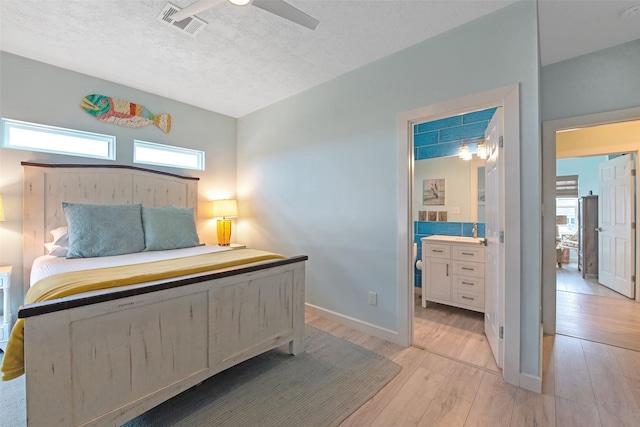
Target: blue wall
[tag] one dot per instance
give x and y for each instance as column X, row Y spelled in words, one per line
column 442, row 138
column 587, row 170
column 320, row 170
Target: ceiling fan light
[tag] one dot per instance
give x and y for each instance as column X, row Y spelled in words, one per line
column 240, row 2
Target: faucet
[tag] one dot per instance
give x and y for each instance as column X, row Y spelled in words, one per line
column 474, row 230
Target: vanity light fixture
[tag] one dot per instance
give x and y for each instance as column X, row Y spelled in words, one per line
column 224, row 209
column 464, row 153
column 1, row 209
column 482, row 149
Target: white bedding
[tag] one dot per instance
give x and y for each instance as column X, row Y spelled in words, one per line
column 47, row 265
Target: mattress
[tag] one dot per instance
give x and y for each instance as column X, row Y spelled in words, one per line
column 46, row 265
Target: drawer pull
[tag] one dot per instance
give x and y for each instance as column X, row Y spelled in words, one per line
column 467, row 253
column 437, row 250
column 468, row 283
column 468, row 268
column 469, row 298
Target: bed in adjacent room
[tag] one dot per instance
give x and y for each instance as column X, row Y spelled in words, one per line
column 108, row 331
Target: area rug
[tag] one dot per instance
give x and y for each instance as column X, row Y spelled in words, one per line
column 320, row 387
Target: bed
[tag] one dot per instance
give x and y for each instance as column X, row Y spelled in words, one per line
column 104, row 356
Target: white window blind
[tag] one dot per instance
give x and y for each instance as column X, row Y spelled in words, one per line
column 567, row 186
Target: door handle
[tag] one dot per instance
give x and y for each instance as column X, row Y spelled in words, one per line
column 447, row 270
column 599, row 229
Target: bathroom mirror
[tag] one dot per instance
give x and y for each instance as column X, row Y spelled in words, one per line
column 460, row 192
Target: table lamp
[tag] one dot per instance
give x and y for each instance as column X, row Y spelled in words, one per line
column 224, row 209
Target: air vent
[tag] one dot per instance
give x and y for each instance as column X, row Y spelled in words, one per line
column 191, row 25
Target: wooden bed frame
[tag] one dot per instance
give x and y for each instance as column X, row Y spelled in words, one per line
column 104, row 359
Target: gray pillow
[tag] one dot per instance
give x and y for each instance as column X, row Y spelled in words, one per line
column 169, row 227
column 103, row 230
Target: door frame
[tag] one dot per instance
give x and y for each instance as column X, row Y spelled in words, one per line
column 509, row 98
column 549, row 129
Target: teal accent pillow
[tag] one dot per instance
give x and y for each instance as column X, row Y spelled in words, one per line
column 103, row 230
column 169, row 227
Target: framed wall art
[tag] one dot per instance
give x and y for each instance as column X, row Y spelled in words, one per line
column 433, row 192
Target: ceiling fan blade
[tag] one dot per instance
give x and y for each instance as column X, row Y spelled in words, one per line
column 286, row 11
column 194, row 9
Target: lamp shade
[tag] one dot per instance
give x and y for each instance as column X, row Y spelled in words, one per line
column 1, row 209
column 225, row 208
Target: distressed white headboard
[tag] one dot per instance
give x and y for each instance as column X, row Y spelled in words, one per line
column 46, row 186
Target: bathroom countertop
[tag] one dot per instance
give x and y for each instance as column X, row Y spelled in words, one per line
column 455, row 239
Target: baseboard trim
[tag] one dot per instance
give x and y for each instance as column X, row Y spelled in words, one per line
column 368, row 328
column 531, row 383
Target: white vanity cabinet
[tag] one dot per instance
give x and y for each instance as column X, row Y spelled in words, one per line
column 453, row 271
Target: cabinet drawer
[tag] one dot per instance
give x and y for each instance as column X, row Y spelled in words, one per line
column 468, row 298
column 435, row 250
column 468, row 283
column 466, row 253
column 464, row 268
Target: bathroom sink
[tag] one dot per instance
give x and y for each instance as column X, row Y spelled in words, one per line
column 459, row 239
column 469, row 239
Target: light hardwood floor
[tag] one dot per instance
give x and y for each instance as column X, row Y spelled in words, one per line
column 584, row 384
column 452, row 332
column 585, row 309
column 569, row 279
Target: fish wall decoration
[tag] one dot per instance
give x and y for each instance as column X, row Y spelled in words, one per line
column 123, row 113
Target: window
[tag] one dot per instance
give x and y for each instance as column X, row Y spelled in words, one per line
column 50, row 139
column 567, row 215
column 167, row 155
column 566, row 204
column 567, row 186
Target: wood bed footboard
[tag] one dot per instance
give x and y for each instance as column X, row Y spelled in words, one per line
column 104, row 359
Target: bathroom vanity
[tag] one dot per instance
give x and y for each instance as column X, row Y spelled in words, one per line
column 453, row 271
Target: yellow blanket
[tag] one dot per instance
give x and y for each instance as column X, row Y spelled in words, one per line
column 66, row 284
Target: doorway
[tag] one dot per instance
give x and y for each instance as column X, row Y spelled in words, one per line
column 508, row 97
column 450, row 155
column 551, row 302
column 585, row 307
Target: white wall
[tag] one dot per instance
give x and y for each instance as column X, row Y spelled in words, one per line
column 35, row 92
column 317, row 172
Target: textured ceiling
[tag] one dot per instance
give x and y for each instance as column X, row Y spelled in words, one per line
column 246, row 58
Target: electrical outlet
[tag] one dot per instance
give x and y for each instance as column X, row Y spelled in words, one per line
column 373, row 298
column 455, row 210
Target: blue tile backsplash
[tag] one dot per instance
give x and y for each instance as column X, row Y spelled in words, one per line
column 443, row 137
column 428, row 228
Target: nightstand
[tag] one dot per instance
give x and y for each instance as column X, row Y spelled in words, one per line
column 237, row 246
column 5, row 318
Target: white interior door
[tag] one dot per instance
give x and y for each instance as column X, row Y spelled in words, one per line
column 494, row 224
column 616, row 213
